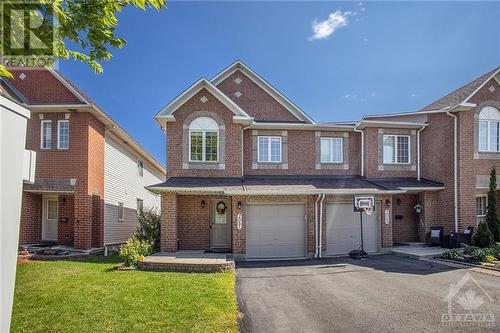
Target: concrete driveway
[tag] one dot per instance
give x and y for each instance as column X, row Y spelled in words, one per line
column 382, row 293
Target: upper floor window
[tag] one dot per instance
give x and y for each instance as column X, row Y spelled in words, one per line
column 481, row 207
column 46, row 134
column 396, row 149
column 489, row 125
column 203, row 140
column 331, row 150
column 269, row 149
column 63, row 134
column 140, row 168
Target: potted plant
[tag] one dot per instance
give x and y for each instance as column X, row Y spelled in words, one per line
column 418, row 208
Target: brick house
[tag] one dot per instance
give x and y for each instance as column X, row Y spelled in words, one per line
column 90, row 174
column 252, row 174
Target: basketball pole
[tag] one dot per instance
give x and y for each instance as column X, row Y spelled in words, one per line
column 361, row 222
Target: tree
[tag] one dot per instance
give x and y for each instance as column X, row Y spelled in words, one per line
column 492, row 214
column 88, row 24
column 483, row 236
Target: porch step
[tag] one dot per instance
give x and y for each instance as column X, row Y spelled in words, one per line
column 187, row 262
column 410, row 244
column 417, row 252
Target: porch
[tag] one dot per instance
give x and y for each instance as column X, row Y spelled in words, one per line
column 188, row 261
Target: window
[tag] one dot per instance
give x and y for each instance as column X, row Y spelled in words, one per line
column 481, row 206
column 120, row 211
column 52, row 209
column 203, row 140
column 46, row 134
column 332, row 150
column 63, row 134
column 140, row 205
column 269, row 149
column 140, row 168
column 396, row 149
column 489, row 129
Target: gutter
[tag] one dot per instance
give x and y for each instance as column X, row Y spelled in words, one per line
column 320, row 236
column 418, row 150
column 316, row 225
column 362, row 148
column 455, row 169
column 242, row 163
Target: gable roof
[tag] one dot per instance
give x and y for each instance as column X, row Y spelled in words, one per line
column 463, row 94
column 166, row 114
column 56, row 92
column 266, row 86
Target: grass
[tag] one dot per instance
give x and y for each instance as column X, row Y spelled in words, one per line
column 89, row 296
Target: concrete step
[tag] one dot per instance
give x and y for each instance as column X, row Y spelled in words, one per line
column 418, row 252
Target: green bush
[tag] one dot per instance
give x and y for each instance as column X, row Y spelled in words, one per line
column 478, row 254
column 452, row 254
column 483, row 236
column 492, row 219
column 134, row 251
column 149, row 228
column 493, row 251
column 470, row 249
column 489, row 258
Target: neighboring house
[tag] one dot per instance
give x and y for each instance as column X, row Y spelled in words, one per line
column 90, row 174
column 252, row 174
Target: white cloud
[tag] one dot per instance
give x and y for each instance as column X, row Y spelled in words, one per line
column 349, row 96
column 365, row 39
column 413, row 95
column 372, row 94
column 336, row 20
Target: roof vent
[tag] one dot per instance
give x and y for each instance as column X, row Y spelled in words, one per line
column 491, row 89
column 203, row 99
column 22, row 76
column 237, row 80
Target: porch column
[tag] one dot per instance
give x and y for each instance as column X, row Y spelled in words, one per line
column 239, row 234
column 386, row 224
column 429, row 215
column 83, row 222
column 168, row 228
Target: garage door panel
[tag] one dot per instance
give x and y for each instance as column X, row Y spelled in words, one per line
column 343, row 230
column 275, row 230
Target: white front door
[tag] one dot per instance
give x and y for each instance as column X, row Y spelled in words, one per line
column 50, row 218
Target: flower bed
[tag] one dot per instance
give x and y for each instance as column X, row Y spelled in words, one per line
column 488, row 257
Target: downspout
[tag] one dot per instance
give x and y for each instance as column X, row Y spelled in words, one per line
column 455, row 168
column 362, row 148
column 242, row 165
column 320, row 224
column 418, row 151
column 316, row 226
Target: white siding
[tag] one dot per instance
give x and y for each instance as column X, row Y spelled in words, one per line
column 122, row 183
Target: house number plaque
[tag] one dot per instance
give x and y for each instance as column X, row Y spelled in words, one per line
column 238, row 221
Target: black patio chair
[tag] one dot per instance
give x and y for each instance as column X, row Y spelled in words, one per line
column 435, row 236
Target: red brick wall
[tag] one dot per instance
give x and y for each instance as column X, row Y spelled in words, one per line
column 169, row 229
column 405, row 229
column 193, row 222
column 175, row 138
column 254, row 100
column 65, row 230
column 31, row 219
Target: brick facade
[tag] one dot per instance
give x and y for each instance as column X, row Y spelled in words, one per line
column 31, row 216
column 405, row 222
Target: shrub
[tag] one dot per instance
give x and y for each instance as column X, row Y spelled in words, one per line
column 452, row 254
column 489, row 258
column 491, row 214
column 478, row 254
column 134, row 251
column 149, row 228
column 470, row 249
column 493, row 251
column 483, row 236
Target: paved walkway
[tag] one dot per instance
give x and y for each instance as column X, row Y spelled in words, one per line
column 418, row 252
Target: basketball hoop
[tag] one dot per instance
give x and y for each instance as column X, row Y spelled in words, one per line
column 368, row 210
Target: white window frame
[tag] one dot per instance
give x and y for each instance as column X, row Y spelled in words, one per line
column 58, row 134
column 482, row 216
column 121, row 211
column 204, row 146
column 269, row 138
column 142, row 205
column 331, row 160
column 488, row 141
column 396, row 149
column 42, row 132
column 140, row 166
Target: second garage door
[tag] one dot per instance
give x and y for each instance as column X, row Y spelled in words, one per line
column 276, row 230
column 343, row 229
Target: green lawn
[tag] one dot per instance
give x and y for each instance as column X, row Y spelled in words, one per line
column 89, row 296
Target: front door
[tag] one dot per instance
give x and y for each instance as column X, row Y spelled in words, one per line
column 220, row 225
column 50, row 218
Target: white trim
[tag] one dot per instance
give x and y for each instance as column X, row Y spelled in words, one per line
column 269, row 138
column 482, row 85
column 331, row 150
column 397, row 124
column 396, row 149
column 485, row 196
column 58, row 133
column 266, row 86
column 203, row 146
column 42, row 132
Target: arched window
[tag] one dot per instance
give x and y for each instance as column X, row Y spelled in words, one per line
column 203, row 140
column 489, row 129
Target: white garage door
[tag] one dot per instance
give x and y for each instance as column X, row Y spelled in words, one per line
column 344, row 230
column 276, row 230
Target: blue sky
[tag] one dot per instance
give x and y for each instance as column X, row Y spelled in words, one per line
column 367, row 58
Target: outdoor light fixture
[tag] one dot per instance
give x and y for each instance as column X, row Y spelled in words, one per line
column 398, row 202
column 388, row 202
column 202, row 203
column 63, row 200
column 239, row 204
